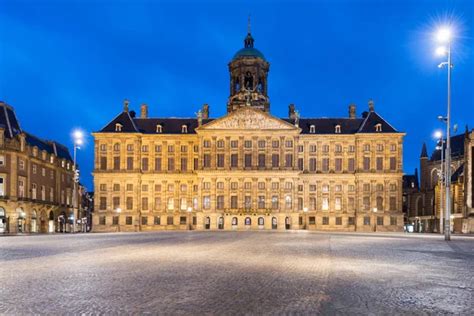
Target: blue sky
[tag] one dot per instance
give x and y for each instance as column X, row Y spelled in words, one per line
column 67, row 64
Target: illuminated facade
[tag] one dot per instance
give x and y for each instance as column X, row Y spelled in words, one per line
column 248, row 169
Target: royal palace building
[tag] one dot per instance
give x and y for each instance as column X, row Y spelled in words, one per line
column 248, row 169
column 36, row 180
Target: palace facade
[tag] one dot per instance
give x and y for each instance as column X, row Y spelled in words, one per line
column 36, row 180
column 248, row 169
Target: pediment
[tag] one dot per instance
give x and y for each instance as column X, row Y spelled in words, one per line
column 249, row 119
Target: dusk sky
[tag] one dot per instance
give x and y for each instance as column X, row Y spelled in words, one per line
column 67, row 64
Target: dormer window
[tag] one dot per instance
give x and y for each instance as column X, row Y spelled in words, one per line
column 337, row 129
column 159, row 128
column 312, row 129
column 35, row 151
column 184, row 129
column 118, row 127
column 43, row 155
column 378, row 127
column 51, row 159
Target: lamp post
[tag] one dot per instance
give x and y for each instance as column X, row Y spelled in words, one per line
column 118, row 210
column 78, row 141
column 444, row 37
column 305, row 210
column 374, row 210
column 439, row 136
column 190, row 210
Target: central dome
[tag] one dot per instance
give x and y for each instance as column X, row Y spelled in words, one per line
column 248, row 52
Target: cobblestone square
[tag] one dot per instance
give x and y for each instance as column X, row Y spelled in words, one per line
column 236, row 273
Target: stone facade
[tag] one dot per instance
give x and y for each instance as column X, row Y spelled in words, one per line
column 248, row 169
column 36, row 180
column 425, row 201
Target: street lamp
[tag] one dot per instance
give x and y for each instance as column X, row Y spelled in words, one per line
column 375, row 218
column 444, row 36
column 118, row 210
column 190, row 209
column 78, row 137
column 439, row 137
column 305, row 210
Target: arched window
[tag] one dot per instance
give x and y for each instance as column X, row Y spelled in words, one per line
column 337, row 129
column 221, row 222
column 274, row 223
column 159, row 128
column 248, row 221
column 117, row 147
column 235, row 221
column 118, row 127
column 261, row 221
column 378, row 127
column 312, row 129
column 184, row 129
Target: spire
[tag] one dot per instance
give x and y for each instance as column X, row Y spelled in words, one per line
column 424, row 152
column 125, row 105
column 248, row 42
column 371, row 105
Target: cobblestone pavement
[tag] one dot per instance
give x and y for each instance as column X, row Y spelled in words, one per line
column 236, row 273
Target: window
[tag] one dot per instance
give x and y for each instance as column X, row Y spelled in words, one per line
column 157, row 203
column 33, row 191
column 182, row 220
column 312, row 187
column 101, row 220
column 300, row 148
column 337, row 129
column 261, row 160
column 248, row 185
column 234, row 185
column 116, row 187
column 300, row 164
column 325, row 220
column 325, row 188
column 43, row 172
column 289, row 144
column 220, row 160
column 275, row 185
column 103, row 187
column 233, row 201
column 275, row 144
column 275, row 160
column 393, row 203
column 248, row 160
column 261, row 185
column 159, row 128
column 157, row 220
column 158, row 148
column 220, row 185
column 102, row 203
column 184, row 149
column 312, row 220
column 33, row 168
column 366, row 147
column 115, row 220
column 206, row 185
column 116, row 147
column 350, row 220
column 118, row 127
column 248, row 144
column 366, row 202
column 393, row 163
column 300, row 204
column 325, row 166
column 103, row 147
column 184, row 129
column 338, row 188
column 170, row 149
column 145, row 203
column 129, row 147
column 170, row 164
column 145, row 148
column 170, row 204
column 21, row 164
column 393, row 187
column 157, row 164
column 117, row 163
column 129, row 203
column 325, row 205
column 184, row 164
column 261, row 201
column 379, row 147
column 366, row 163
column 380, row 220
column 129, row 187
column 206, row 202
column 288, row 185
column 379, row 163
column 312, row 164
column 393, row 220
column 288, row 160
column 128, row 220
column 234, row 160
column 169, row 220
column 288, row 202
column 338, row 148
column 183, row 204
column 275, row 202
column 338, row 164
column 351, row 148
column 220, row 143
column 207, row 161
column 338, row 220
column 145, row 164
column 312, row 129
column 366, row 187
column 261, row 144
column 378, row 127
column 351, row 188
column 366, row 220
column 129, row 163
column 393, row 147
column 234, row 143
column 379, row 202
column 116, row 202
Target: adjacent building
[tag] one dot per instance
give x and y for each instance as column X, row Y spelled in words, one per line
column 36, row 180
column 248, row 169
column 427, row 203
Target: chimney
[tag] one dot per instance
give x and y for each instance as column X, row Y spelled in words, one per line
column 205, row 111
column 352, row 111
column 291, row 112
column 371, row 105
column 144, row 111
column 2, row 136
column 125, row 105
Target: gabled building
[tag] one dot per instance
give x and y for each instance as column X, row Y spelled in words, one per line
column 36, row 179
column 248, row 169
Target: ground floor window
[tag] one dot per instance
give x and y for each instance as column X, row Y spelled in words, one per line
column 128, row 220
column 157, row 220
column 325, row 220
column 248, row 221
column 194, row 220
column 351, row 220
column 144, row 220
column 366, row 220
column 169, row 220
column 101, row 220
column 221, row 223
column 393, row 220
column 182, row 220
column 261, row 221
column 115, row 220
column 380, row 220
column 338, row 220
column 274, row 223
column 235, row 221
column 300, row 220
column 312, row 220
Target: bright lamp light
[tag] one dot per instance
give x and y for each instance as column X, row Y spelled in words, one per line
column 443, row 35
column 441, row 51
column 438, row 134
